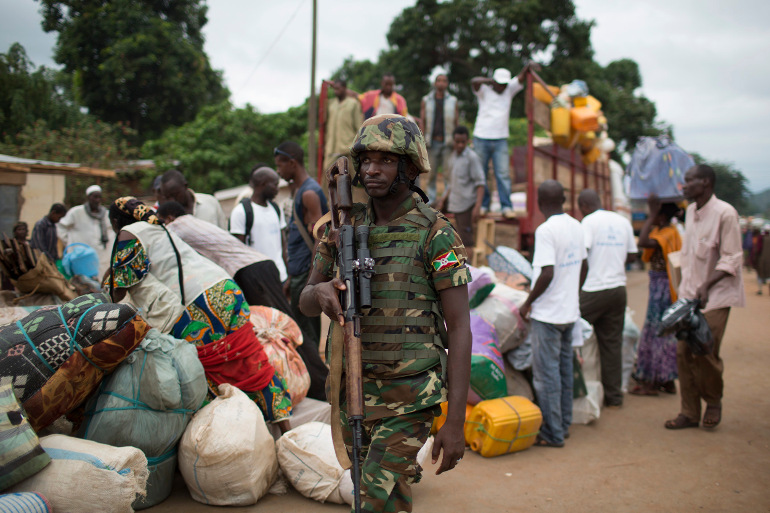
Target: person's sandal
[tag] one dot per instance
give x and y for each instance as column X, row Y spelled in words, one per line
column 542, row 442
column 681, row 422
column 712, row 416
column 668, row 387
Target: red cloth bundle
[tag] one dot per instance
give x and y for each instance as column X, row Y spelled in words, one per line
column 238, row 359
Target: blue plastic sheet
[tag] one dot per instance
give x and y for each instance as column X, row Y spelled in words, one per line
column 657, row 167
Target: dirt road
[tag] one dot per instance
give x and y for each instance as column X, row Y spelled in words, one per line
column 625, row 461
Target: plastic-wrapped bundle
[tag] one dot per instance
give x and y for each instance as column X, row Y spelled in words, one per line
column 56, row 356
column 147, row 403
column 487, row 377
column 657, row 167
column 280, row 335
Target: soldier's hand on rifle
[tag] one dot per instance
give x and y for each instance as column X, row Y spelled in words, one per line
column 327, row 295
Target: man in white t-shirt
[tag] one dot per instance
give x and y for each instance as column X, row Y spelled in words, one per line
column 490, row 133
column 266, row 219
column 559, row 268
column 609, row 240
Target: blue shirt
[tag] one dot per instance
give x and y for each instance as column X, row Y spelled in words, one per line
column 300, row 256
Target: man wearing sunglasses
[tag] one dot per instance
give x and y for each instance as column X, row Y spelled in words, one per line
column 308, row 205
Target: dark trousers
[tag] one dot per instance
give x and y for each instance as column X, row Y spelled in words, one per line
column 464, row 226
column 700, row 377
column 261, row 286
column 605, row 310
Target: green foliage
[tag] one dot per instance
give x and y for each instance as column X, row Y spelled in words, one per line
column 219, row 147
column 759, row 203
column 140, row 63
column 89, row 143
column 471, row 38
column 30, row 95
column 731, row 186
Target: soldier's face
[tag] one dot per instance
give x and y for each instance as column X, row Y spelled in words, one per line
column 378, row 171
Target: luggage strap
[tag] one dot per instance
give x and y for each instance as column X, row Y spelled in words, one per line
column 73, row 342
column 480, row 427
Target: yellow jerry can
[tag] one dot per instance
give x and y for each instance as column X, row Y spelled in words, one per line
column 584, row 119
column 541, row 94
column 560, row 122
column 504, row 425
column 441, row 419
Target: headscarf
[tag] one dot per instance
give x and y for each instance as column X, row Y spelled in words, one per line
column 136, row 209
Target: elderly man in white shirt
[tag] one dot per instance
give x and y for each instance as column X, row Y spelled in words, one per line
column 609, row 239
column 88, row 224
column 490, row 134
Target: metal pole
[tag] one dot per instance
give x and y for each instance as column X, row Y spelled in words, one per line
column 312, row 110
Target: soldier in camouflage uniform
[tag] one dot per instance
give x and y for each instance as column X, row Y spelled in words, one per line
column 420, row 282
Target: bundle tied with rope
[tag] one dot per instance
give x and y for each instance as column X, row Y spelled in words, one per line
column 56, row 356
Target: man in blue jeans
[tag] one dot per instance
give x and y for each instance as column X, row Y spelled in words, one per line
column 490, row 134
column 553, row 306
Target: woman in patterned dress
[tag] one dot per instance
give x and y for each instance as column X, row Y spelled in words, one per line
column 182, row 293
column 656, row 358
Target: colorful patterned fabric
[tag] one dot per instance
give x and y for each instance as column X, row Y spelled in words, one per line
column 130, row 264
column 273, row 400
column 669, row 240
column 238, row 360
column 26, row 502
column 81, row 374
column 34, row 348
column 136, row 209
column 656, row 357
column 219, row 311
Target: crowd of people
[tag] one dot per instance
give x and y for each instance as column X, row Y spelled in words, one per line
column 193, row 273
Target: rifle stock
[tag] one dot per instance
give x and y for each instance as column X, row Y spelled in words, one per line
column 356, row 268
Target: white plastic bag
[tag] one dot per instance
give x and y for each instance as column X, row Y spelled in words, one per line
column 588, row 409
column 86, row 476
column 226, row 455
column 631, row 336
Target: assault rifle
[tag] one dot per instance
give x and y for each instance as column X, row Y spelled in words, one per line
column 356, row 267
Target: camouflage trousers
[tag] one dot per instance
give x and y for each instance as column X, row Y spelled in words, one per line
column 389, row 458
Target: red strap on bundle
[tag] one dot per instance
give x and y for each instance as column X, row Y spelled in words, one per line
column 238, row 359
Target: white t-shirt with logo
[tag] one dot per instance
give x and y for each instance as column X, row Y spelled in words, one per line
column 494, row 110
column 265, row 233
column 609, row 238
column 559, row 242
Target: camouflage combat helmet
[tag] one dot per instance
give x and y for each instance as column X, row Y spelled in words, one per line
column 392, row 133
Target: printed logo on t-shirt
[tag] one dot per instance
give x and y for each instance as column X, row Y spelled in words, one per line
column 446, row 261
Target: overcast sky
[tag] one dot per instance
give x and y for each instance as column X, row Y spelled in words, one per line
column 704, row 62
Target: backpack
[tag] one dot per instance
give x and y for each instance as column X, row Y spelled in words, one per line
column 246, row 203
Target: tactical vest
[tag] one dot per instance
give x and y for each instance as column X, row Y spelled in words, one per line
column 404, row 329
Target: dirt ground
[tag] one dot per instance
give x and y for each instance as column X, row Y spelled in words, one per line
column 625, row 461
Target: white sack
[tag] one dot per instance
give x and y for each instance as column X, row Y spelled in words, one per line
column 226, row 455
column 588, row 409
column 86, row 476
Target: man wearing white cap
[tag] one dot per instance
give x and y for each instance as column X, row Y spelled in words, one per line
column 490, row 134
column 88, row 224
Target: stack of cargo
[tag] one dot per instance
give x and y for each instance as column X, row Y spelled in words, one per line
column 576, row 119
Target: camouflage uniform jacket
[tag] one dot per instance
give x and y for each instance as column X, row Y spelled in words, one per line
column 417, row 258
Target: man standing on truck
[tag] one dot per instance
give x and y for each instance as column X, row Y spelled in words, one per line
column 490, row 135
column 439, row 114
column 609, row 240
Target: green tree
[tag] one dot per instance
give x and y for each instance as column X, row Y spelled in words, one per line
column 137, row 62
column 219, row 147
column 731, row 185
column 468, row 38
column 28, row 95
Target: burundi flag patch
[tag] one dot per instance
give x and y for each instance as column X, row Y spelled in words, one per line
column 446, row 261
